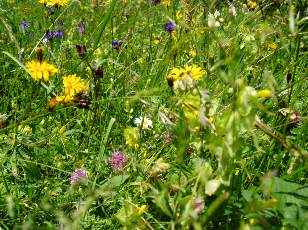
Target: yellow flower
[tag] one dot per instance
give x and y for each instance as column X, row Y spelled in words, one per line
column 271, row 45
column 189, row 71
column 251, row 4
column 41, row 70
column 54, row 2
column 191, row 109
column 62, row 129
column 179, row 15
column 167, row 2
column 265, row 93
column 65, row 99
column 252, row 221
column 53, row 103
column 74, row 85
column 193, row 53
column 142, row 209
column 131, row 136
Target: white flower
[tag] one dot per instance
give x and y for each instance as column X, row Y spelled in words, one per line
column 212, row 23
column 211, row 187
column 214, row 20
column 146, row 122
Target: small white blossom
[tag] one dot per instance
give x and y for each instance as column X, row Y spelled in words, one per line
column 214, row 20
column 144, row 121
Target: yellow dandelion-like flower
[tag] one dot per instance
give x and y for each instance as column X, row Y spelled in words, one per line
column 265, row 93
column 53, row 103
column 74, row 85
column 41, row 70
column 54, row 2
column 66, row 99
column 188, row 72
column 271, row 45
column 131, row 136
column 194, row 72
column 251, row 4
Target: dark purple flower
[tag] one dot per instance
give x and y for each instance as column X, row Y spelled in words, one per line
column 58, row 33
column 23, row 26
column 118, row 160
column 82, row 50
column 99, row 72
column 48, row 35
column 81, row 27
column 156, row 2
column 116, row 44
column 170, row 26
column 80, row 175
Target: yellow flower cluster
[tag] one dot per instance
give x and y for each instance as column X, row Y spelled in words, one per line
column 189, row 71
column 191, row 109
column 251, row 4
column 183, row 78
column 73, row 86
column 54, row 2
column 132, row 137
column 41, row 70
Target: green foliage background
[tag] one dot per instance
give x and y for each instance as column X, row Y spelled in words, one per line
column 254, row 150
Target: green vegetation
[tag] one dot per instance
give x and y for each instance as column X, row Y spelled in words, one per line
column 149, row 114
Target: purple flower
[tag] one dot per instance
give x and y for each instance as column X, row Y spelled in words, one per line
column 118, row 160
column 23, row 26
column 81, row 27
column 156, row 2
column 50, row 10
column 58, row 33
column 80, row 175
column 116, row 44
column 48, row 35
column 170, row 26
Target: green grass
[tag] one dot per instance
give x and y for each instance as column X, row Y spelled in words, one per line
column 236, row 160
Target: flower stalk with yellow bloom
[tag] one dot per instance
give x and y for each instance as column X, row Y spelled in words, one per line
column 186, row 77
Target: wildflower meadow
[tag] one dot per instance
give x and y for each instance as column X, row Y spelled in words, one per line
column 153, row 114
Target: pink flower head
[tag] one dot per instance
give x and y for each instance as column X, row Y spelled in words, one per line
column 118, row 160
column 79, row 175
column 168, row 138
column 198, row 205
